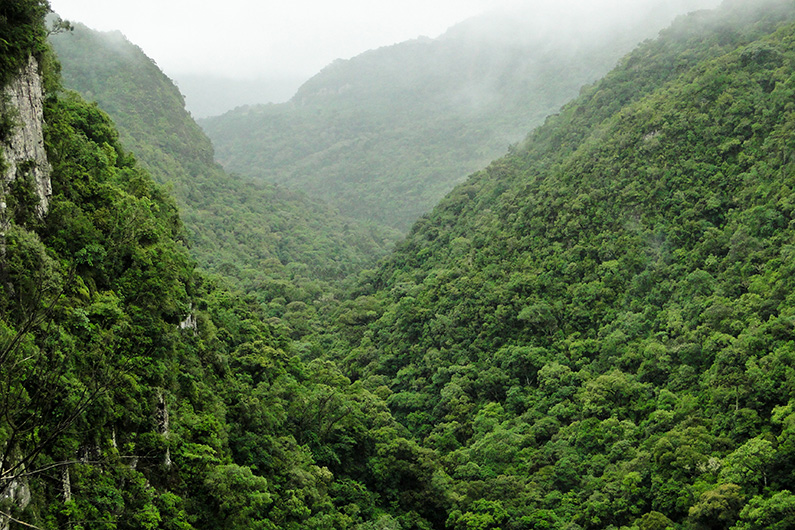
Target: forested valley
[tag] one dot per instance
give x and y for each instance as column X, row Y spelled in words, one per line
column 594, row 331
column 386, row 134
column 272, row 242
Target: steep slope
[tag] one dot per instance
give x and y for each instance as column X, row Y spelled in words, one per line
column 136, row 393
column 598, row 331
column 386, row 134
column 252, row 231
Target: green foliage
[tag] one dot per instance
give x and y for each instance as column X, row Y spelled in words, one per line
column 275, row 243
column 22, row 34
column 717, row 508
column 596, row 329
column 385, row 135
column 85, row 340
column 485, row 515
column 118, row 412
column 774, row 513
column 595, row 332
column 243, row 497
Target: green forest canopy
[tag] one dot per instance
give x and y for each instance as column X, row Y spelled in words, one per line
column 261, row 235
column 596, row 331
column 385, row 135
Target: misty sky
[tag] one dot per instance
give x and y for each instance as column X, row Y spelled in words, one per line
column 287, row 38
column 251, row 38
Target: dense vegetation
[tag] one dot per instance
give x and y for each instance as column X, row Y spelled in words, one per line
column 385, row 135
column 138, row 393
column 20, row 37
column 269, row 240
column 595, row 332
column 598, row 330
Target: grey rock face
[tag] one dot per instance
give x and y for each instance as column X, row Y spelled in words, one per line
column 16, row 496
column 23, row 156
column 23, row 152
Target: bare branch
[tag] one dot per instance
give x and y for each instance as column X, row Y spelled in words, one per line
column 23, row 523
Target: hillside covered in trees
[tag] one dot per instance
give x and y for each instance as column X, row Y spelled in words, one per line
column 385, row 135
column 269, row 239
column 138, row 392
column 596, row 331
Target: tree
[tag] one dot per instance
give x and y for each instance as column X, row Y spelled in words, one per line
column 749, row 464
column 654, row 521
column 776, row 512
column 481, row 515
column 242, row 497
column 719, row 508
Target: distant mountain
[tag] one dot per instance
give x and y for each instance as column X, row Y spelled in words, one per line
column 210, row 95
column 254, row 231
column 385, row 135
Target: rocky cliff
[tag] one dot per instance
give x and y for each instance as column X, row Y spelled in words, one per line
column 24, row 159
column 24, row 156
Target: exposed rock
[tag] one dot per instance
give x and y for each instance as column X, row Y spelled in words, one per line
column 190, row 320
column 66, row 484
column 23, row 151
column 15, row 497
column 188, row 323
column 161, row 416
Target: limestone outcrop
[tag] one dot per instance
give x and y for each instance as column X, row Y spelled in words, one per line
column 24, row 155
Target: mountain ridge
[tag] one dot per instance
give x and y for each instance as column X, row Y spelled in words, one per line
column 454, row 103
column 251, row 230
column 595, row 331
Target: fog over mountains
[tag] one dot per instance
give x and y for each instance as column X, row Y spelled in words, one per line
column 213, row 93
column 593, row 331
column 384, row 135
column 210, row 95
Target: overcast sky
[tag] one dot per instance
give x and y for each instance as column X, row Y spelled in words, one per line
column 252, row 38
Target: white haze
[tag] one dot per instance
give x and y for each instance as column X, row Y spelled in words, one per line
column 255, row 51
column 255, row 38
column 574, row 21
column 265, row 38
